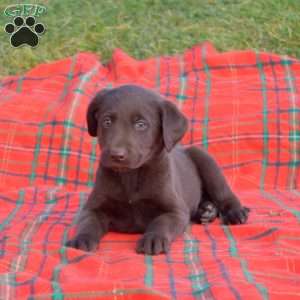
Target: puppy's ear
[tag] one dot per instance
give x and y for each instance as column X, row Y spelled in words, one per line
column 174, row 124
column 91, row 115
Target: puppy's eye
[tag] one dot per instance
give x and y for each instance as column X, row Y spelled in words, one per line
column 106, row 122
column 140, row 125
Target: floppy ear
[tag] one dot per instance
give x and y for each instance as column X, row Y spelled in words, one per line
column 174, row 124
column 91, row 115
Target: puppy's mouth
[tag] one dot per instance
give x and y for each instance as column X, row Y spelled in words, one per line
column 121, row 169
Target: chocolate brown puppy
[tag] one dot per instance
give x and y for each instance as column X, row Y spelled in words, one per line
column 145, row 182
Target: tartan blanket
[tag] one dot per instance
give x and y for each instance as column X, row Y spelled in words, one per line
column 243, row 107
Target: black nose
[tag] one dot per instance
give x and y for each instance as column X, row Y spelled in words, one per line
column 117, row 155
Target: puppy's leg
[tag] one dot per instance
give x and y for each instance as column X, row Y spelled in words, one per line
column 216, row 187
column 91, row 227
column 161, row 232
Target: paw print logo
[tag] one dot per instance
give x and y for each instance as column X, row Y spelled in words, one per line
column 24, row 32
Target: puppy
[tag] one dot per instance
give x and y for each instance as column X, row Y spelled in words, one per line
column 145, row 183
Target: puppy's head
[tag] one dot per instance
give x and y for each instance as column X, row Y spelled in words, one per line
column 133, row 125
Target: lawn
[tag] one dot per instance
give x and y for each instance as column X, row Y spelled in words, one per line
column 145, row 28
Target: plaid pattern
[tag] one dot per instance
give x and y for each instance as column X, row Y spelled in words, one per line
column 244, row 108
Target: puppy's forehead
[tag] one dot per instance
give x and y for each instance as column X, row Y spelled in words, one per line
column 130, row 101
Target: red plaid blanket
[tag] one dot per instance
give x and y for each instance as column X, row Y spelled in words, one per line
column 244, row 108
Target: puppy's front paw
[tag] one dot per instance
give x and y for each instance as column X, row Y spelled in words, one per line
column 235, row 215
column 83, row 242
column 152, row 243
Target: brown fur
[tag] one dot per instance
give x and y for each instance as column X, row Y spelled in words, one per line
column 145, row 183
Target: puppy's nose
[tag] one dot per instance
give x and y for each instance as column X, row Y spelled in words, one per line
column 118, row 155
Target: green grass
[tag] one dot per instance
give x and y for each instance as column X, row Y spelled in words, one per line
column 145, row 28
